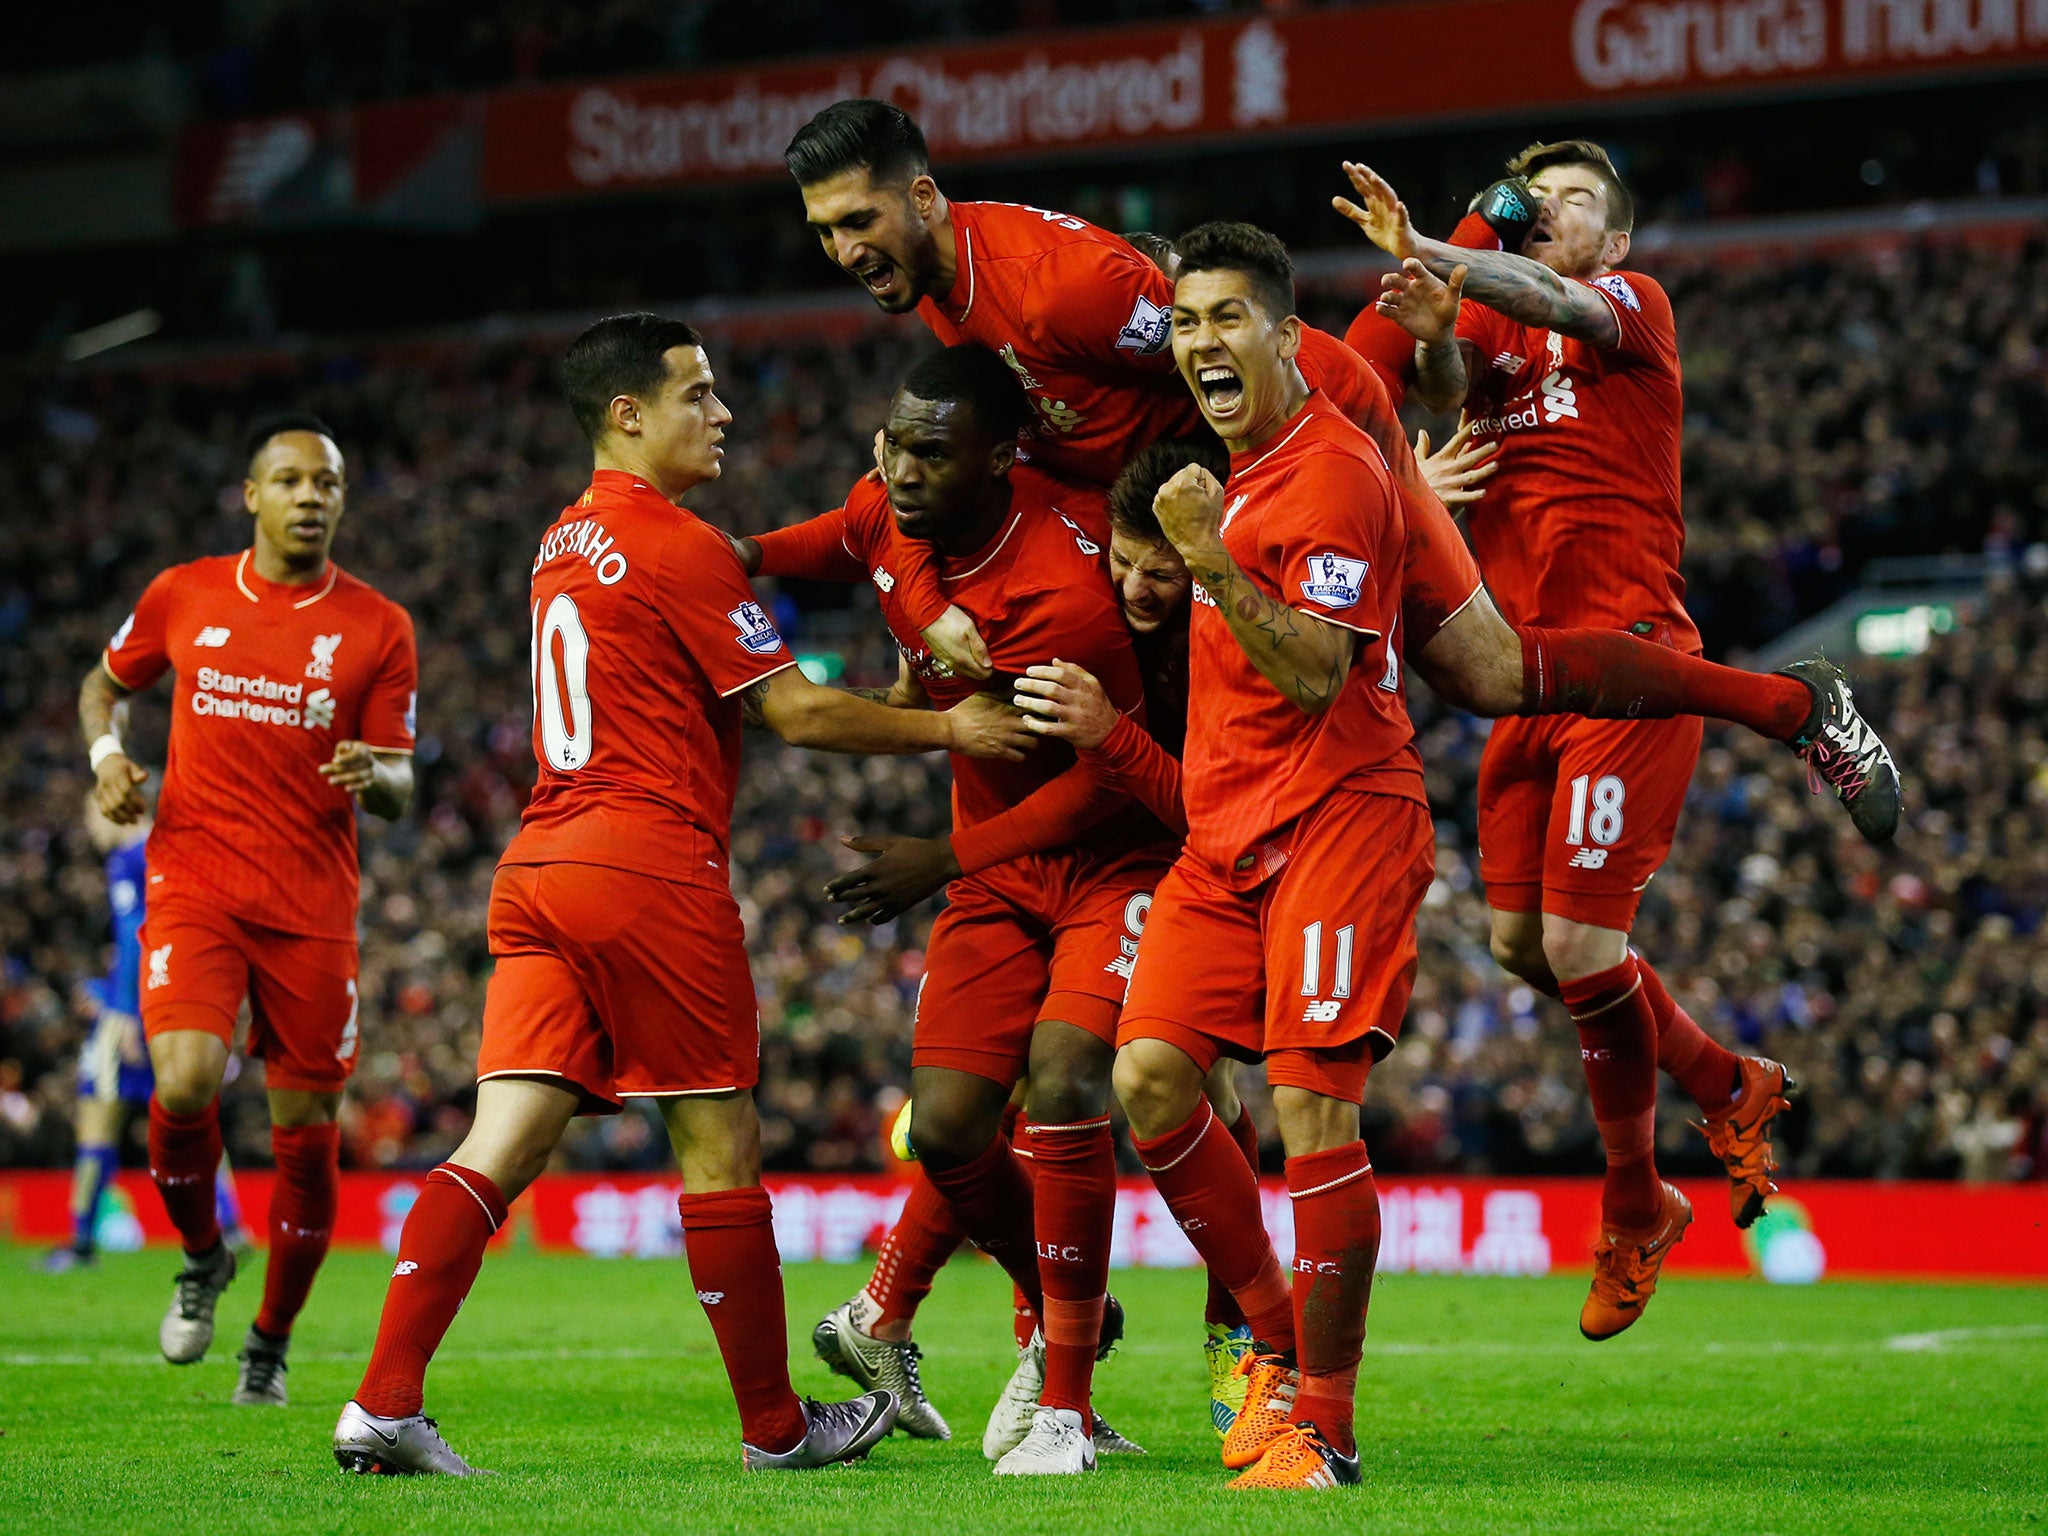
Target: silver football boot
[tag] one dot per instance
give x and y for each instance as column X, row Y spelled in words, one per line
column 875, row 1364
column 834, row 1432
column 261, row 1379
column 363, row 1442
column 187, row 1330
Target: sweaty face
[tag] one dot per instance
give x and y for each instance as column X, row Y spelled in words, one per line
column 876, row 235
column 683, row 423
column 1150, row 577
column 1570, row 235
column 296, row 487
column 938, row 464
column 1232, row 355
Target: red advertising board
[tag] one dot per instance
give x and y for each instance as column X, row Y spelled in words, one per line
column 1091, row 92
column 1838, row 1228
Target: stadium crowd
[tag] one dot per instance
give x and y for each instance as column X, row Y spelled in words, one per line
column 1836, row 410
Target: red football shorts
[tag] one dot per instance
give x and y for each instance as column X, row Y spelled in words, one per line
column 1438, row 574
column 625, row 985
column 1311, row 970
column 198, row 963
column 1045, row 937
column 1576, row 815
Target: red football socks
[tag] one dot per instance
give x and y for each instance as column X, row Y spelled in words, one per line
column 1207, row 1185
column 1074, row 1192
column 729, row 1236
column 1618, row 1044
column 924, row 1238
column 991, row 1199
column 302, row 1201
column 184, row 1151
column 1605, row 674
column 1221, row 1308
column 1709, row 1072
column 439, row 1252
column 1336, row 1246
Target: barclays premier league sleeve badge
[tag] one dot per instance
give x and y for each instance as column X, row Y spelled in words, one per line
column 756, row 633
column 1146, row 331
column 1334, row 581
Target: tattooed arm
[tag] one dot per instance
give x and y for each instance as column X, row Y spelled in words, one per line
column 1306, row 658
column 1523, row 290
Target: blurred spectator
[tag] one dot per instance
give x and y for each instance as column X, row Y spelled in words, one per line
column 1837, row 410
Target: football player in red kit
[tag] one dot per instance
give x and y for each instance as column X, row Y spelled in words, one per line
column 293, row 705
column 1572, row 367
column 621, row 967
column 1024, row 968
column 1079, row 315
column 1286, row 928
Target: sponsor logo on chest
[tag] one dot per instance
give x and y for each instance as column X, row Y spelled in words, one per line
column 257, row 698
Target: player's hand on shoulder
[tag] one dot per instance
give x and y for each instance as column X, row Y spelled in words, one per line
column 353, row 768
column 1381, row 214
column 117, row 789
column 904, row 872
column 957, row 645
column 1459, row 470
column 983, row 725
column 1190, row 509
column 1066, row 701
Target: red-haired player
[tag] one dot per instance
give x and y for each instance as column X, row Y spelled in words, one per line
column 294, row 705
column 1572, row 366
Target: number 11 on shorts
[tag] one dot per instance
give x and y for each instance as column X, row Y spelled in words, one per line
column 1312, row 961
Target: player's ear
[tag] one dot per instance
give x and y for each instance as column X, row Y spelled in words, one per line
column 624, row 413
column 1290, row 338
column 1002, row 458
column 249, row 494
column 1615, row 252
column 924, row 195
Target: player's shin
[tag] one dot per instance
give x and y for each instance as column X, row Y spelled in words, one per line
column 96, row 1168
column 1336, row 1246
column 1211, row 1191
column 925, row 1236
column 992, row 1199
column 1075, row 1193
column 1606, row 674
column 1618, row 1045
column 302, row 1205
column 1220, row 1307
column 183, row 1150
column 440, row 1251
column 1708, row 1072
column 729, row 1236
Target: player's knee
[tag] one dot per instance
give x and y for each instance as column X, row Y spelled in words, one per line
column 1572, row 950
column 1072, row 1088
column 1520, row 952
column 1157, row 1093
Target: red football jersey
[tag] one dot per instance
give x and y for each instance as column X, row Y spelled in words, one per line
column 269, row 678
column 644, row 633
column 1582, row 525
column 1313, row 519
column 1039, row 590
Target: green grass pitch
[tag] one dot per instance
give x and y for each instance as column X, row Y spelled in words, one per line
column 594, row 1389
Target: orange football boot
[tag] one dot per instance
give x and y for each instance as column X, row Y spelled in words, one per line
column 1300, row 1458
column 1268, row 1399
column 1625, row 1266
column 1740, row 1136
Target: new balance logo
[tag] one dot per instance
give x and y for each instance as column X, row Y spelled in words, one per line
column 215, row 635
column 160, row 967
column 1589, row 858
column 711, row 1298
column 322, row 664
column 1123, row 963
column 1560, row 398
column 1322, row 1012
column 884, row 582
column 1507, row 362
column 405, row 1267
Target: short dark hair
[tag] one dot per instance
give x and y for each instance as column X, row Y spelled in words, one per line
column 1227, row 246
column 1156, row 249
column 1621, row 203
column 861, row 134
column 620, row 355
column 267, row 427
column 1138, row 482
column 978, row 378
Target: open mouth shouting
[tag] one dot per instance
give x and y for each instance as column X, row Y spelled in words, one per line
column 879, row 277
column 1222, row 390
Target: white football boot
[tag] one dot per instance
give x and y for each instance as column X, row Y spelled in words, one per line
column 1010, row 1420
column 1058, row 1443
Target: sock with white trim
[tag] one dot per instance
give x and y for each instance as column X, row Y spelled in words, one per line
column 1336, row 1246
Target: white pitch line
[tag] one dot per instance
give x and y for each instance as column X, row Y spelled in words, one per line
column 1942, row 1338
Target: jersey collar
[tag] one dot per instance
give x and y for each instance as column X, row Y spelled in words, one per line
column 255, row 588
column 960, row 302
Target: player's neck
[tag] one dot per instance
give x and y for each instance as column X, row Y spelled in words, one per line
column 946, row 272
column 270, row 564
column 627, row 463
column 975, row 531
column 1294, row 394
